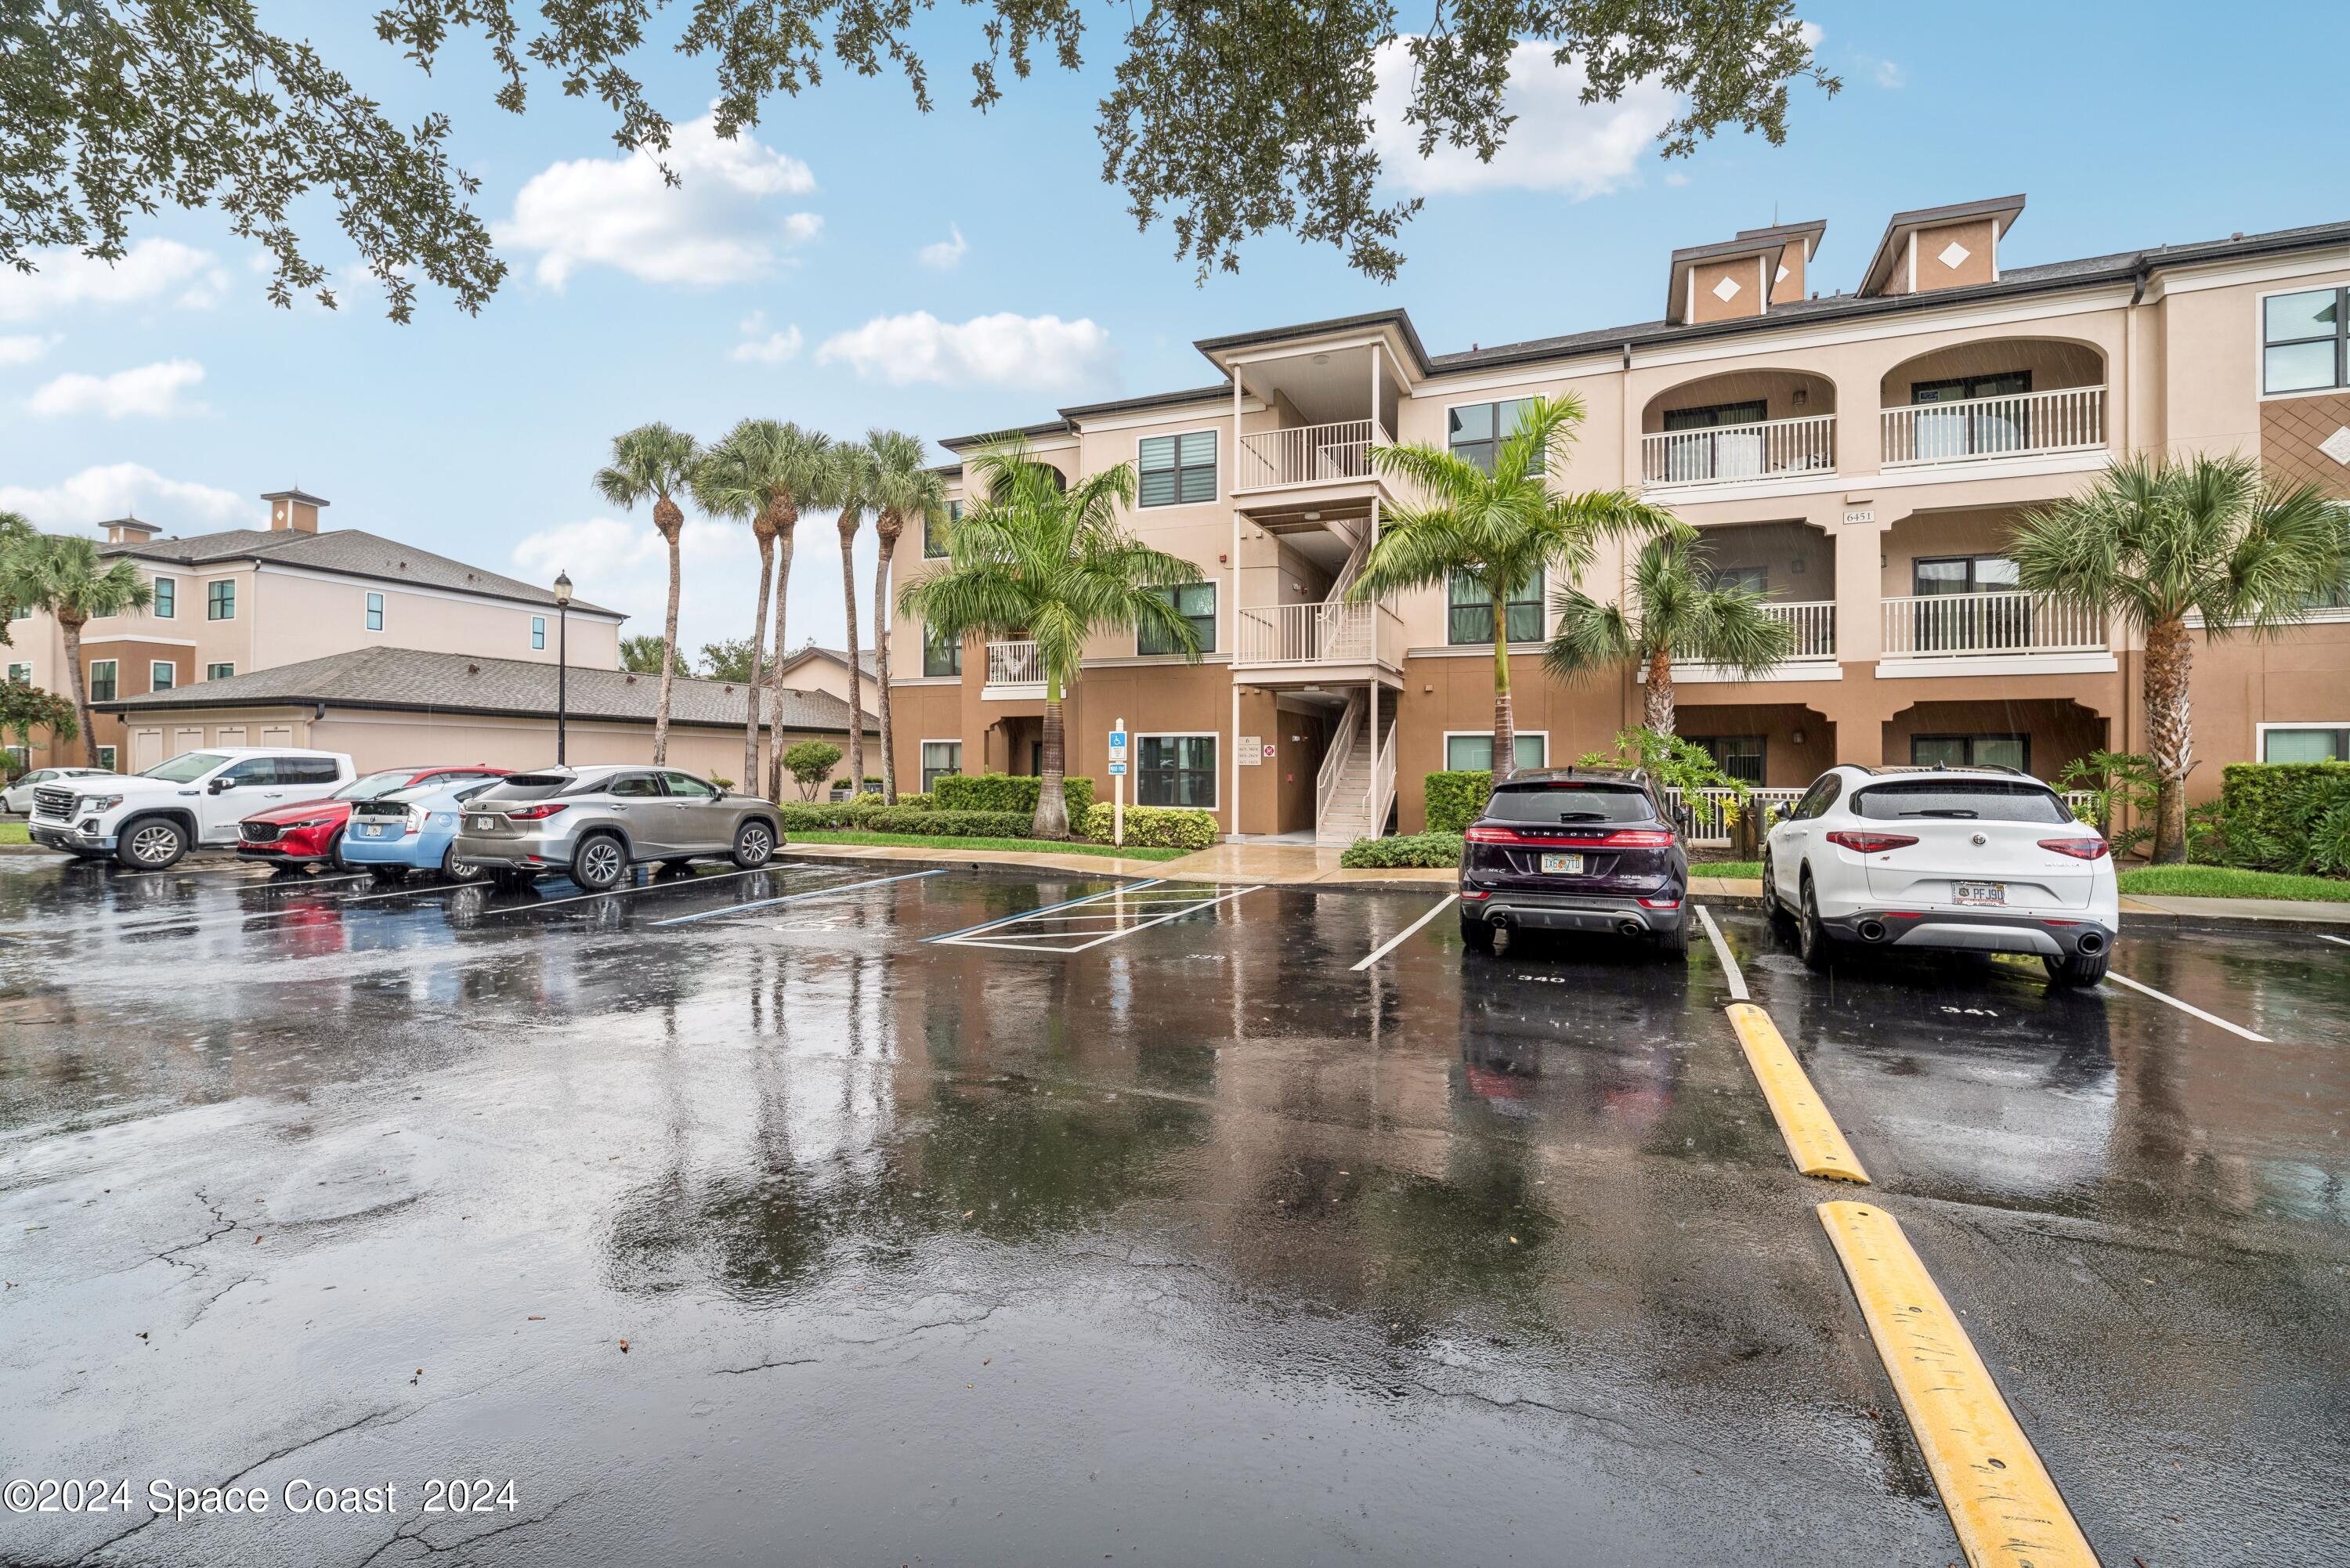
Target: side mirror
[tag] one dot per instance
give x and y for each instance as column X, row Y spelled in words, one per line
column 220, row 783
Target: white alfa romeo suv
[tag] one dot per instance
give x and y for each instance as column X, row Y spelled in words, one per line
column 1980, row 858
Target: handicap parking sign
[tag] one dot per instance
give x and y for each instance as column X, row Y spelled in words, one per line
column 1116, row 768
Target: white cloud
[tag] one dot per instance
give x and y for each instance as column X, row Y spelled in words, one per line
column 1887, row 73
column 999, row 350
column 23, row 348
column 1675, row 179
column 147, row 272
column 1557, row 143
column 149, row 390
column 762, row 346
column 118, row 489
column 946, row 254
column 1810, row 32
column 714, row 227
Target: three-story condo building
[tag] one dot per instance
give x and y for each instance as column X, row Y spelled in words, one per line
column 1860, row 457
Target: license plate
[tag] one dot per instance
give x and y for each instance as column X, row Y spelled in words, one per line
column 371, row 830
column 484, row 823
column 1982, row 893
column 1562, row 865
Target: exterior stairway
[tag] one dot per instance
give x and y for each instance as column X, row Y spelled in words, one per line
column 1346, row 811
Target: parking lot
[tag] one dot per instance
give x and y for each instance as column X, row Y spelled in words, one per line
column 857, row 1212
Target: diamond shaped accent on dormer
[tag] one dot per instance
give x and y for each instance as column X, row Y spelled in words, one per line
column 1726, row 290
column 1782, row 275
column 2338, row 445
column 1952, row 254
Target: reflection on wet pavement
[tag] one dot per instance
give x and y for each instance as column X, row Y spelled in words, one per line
column 1196, row 1247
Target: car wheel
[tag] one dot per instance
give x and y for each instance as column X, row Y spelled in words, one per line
column 1477, row 933
column 2075, row 970
column 1674, row 944
column 754, row 845
column 1812, row 939
column 456, row 870
column 597, row 863
column 151, row 844
column 1771, row 902
column 334, row 858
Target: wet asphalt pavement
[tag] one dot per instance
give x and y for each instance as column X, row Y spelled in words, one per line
column 786, row 1236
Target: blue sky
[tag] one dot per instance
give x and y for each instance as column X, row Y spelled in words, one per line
column 855, row 263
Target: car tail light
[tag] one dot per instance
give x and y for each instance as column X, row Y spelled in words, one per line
column 1872, row 842
column 534, row 813
column 1660, row 903
column 2079, row 848
column 1495, row 836
column 1640, row 839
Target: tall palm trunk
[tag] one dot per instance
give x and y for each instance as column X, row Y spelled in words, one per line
column 1505, row 718
column 856, row 684
column 1657, row 703
column 787, row 520
column 763, row 528
column 1052, row 819
column 885, row 528
column 669, row 519
column 2170, row 733
column 71, row 626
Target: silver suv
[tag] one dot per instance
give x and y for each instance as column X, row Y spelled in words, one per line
column 592, row 823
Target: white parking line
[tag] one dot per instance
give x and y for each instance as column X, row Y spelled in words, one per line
column 795, row 898
column 697, row 879
column 2337, row 941
column 1031, row 914
column 1721, row 952
column 2189, row 1007
column 1191, row 906
column 1404, row 935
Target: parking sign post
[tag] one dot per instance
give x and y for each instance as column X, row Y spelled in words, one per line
column 1117, row 784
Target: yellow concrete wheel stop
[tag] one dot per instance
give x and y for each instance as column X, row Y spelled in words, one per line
column 1813, row 1140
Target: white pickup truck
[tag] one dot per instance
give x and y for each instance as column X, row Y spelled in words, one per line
column 147, row 821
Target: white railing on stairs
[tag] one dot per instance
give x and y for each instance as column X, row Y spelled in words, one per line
column 1380, row 796
column 1334, row 759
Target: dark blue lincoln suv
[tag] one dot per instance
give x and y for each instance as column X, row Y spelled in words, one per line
column 1577, row 849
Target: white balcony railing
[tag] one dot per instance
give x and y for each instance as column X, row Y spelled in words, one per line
column 1318, row 633
column 1013, row 664
column 1725, row 454
column 1978, row 430
column 1710, row 812
column 1308, row 454
column 1815, row 624
column 1957, row 626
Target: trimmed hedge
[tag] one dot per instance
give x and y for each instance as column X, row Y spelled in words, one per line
column 1008, row 791
column 1456, row 799
column 933, row 822
column 1154, row 826
column 1438, row 850
column 2256, row 793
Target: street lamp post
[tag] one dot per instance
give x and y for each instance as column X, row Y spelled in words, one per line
column 561, row 657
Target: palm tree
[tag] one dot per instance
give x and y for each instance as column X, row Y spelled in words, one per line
column 905, row 487
column 653, row 462
column 16, row 534
column 65, row 575
column 1674, row 612
column 763, row 471
column 851, row 489
column 1035, row 561
column 2153, row 542
column 1499, row 529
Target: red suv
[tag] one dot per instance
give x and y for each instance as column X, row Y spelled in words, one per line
column 311, row 832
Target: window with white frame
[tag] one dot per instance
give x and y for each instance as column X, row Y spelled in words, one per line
column 2305, row 340
column 1195, row 602
column 1177, row 469
column 2305, row 742
column 103, row 680
column 220, row 600
column 161, row 675
column 375, row 612
column 219, row 671
column 166, row 604
column 105, row 758
column 1473, row 751
column 1476, row 430
column 538, row 631
column 1175, row 770
column 940, row 758
column 22, row 672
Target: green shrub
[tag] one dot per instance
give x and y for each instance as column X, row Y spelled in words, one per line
column 932, row 822
column 1006, row 792
column 2113, row 781
column 810, row 762
column 1455, row 799
column 1438, row 850
column 1154, row 826
column 916, row 799
column 803, row 816
column 2292, row 817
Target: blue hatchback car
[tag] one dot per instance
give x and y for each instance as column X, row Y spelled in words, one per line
column 413, row 830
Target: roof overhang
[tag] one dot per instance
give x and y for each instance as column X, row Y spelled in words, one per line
column 2002, row 210
column 1768, row 245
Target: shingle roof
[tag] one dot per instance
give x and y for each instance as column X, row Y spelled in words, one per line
column 837, row 655
column 410, row 680
column 353, row 551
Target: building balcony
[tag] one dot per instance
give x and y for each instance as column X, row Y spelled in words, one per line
column 1814, row 657
column 1991, row 633
column 1319, row 639
column 1014, row 673
column 1310, row 457
column 1987, row 430
column 1766, row 450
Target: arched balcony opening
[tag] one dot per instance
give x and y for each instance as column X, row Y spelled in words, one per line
column 2000, row 397
column 1743, row 426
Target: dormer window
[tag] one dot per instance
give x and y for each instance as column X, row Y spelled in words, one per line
column 2305, row 340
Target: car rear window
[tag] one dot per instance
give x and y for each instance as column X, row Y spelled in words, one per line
column 1569, row 803
column 1988, row 800
column 374, row 784
column 527, row 786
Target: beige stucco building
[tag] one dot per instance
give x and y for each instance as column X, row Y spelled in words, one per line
column 250, row 600
column 1861, row 457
